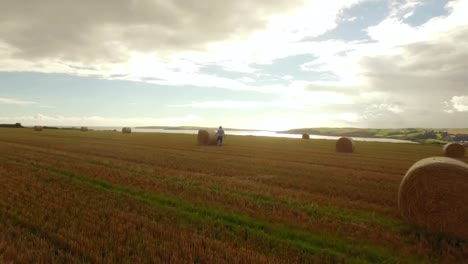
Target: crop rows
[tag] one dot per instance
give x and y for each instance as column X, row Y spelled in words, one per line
column 107, row 197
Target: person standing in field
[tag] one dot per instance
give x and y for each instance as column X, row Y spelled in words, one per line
column 220, row 135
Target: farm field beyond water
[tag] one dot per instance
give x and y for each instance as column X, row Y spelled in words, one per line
column 71, row 196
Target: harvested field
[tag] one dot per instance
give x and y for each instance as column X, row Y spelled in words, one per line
column 100, row 196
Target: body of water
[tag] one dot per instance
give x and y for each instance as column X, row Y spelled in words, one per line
column 257, row 133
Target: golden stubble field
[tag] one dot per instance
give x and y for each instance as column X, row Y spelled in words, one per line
column 108, row 197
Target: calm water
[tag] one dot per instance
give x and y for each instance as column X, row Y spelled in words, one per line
column 254, row 133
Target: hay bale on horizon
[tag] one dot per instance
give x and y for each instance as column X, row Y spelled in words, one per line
column 206, row 137
column 38, row 128
column 345, row 144
column 305, row 136
column 454, row 150
column 433, row 195
column 127, row 130
column 84, row 129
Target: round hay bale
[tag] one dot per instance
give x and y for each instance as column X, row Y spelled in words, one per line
column 127, row 130
column 305, row 136
column 454, row 150
column 84, row 129
column 345, row 144
column 38, row 128
column 434, row 194
column 206, row 137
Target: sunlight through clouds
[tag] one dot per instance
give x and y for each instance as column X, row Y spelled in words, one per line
column 337, row 57
column 460, row 103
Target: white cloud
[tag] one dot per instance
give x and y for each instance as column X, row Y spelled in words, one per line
column 284, row 104
column 390, row 39
column 236, row 105
column 402, row 77
column 460, row 103
column 12, row 101
column 349, row 117
column 395, row 109
column 59, row 120
column 111, row 28
column 47, row 106
column 408, row 15
column 299, row 99
column 405, row 74
column 404, row 8
column 165, row 41
column 393, row 31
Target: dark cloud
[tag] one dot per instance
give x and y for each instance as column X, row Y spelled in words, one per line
column 151, row 79
column 89, row 68
column 415, row 88
column 423, row 79
column 118, row 75
column 91, row 30
column 437, row 67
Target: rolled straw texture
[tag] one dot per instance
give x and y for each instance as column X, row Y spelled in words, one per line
column 345, row 144
column 454, row 150
column 206, row 137
column 434, row 195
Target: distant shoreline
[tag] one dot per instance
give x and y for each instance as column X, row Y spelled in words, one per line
column 418, row 135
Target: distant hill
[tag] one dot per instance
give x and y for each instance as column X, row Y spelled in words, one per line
column 422, row 135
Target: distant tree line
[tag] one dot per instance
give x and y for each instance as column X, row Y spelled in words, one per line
column 460, row 137
column 17, row 125
column 432, row 134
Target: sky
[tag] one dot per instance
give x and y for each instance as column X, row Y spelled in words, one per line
column 263, row 64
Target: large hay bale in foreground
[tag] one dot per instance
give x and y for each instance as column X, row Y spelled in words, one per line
column 454, row 150
column 206, row 137
column 434, row 195
column 127, row 130
column 305, row 136
column 345, row 144
column 38, row 128
column 84, row 129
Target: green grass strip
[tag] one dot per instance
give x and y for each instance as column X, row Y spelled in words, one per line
column 313, row 210
column 305, row 242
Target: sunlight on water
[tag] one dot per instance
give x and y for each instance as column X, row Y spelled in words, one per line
column 265, row 134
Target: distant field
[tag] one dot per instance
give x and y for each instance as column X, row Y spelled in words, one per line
column 439, row 136
column 457, row 131
column 71, row 196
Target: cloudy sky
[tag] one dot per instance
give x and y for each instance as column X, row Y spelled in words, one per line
column 266, row 64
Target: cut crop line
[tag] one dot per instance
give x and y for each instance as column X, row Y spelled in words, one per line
column 249, row 158
column 300, row 240
column 311, row 209
column 56, row 241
